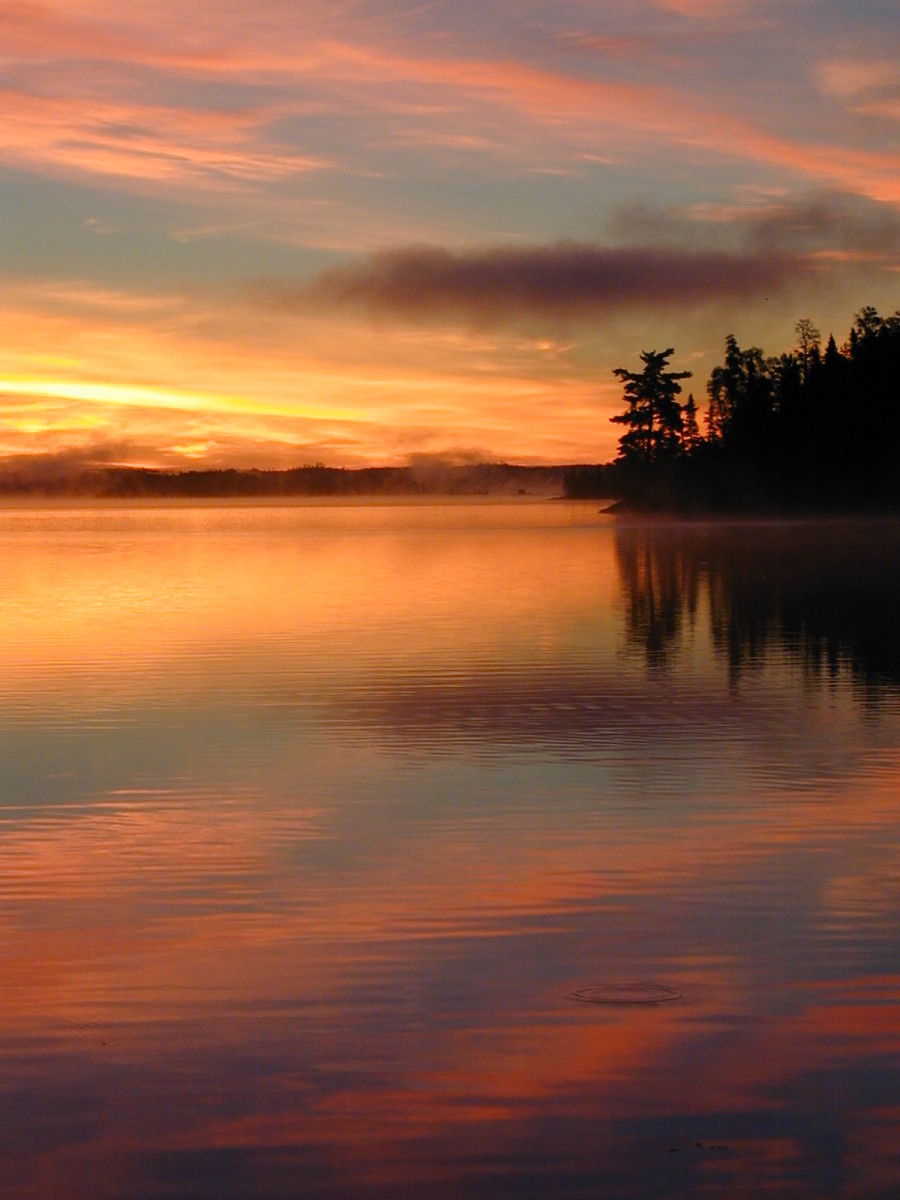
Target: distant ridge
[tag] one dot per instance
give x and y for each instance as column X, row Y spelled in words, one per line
column 46, row 478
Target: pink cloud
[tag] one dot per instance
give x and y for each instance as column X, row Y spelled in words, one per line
column 141, row 142
column 341, row 64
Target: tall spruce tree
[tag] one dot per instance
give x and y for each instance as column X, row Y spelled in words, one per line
column 653, row 416
column 690, row 433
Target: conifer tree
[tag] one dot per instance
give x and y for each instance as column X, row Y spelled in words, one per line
column 653, row 416
column 807, row 348
column 690, row 433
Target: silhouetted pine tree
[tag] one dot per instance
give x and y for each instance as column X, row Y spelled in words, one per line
column 653, row 415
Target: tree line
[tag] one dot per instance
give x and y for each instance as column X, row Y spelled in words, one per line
column 60, row 477
column 811, row 429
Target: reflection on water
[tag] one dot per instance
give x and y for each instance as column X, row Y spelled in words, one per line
column 826, row 592
column 314, row 819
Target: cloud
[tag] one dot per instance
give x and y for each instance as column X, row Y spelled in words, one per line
column 704, row 9
column 867, row 86
column 814, row 227
column 823, row 224
column 567, row 280
column 66, row 466
column 152, row 144
column 830, row 221
column 253, row 103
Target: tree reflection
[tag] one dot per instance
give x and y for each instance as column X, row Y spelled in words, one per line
column 661, row 584
column 826, row 593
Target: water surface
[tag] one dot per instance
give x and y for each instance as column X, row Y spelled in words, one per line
column 313, row 819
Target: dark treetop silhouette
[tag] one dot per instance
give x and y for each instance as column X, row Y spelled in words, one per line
column 655, row 427
column 807, row 430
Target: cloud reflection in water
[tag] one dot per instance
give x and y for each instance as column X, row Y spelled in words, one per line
column 306, row 907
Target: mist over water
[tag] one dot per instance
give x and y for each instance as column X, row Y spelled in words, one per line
column 314, row 818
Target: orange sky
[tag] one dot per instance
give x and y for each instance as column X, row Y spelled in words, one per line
column 353, row 233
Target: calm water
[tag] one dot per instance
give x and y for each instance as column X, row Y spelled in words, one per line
column 312, row 819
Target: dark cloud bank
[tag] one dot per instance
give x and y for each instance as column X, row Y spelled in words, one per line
column 568, row 280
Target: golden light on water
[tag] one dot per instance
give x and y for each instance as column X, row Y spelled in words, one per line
column 313, row 818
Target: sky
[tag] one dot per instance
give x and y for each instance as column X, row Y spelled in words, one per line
column 364, row 233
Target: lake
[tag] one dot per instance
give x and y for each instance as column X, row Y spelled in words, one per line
column 447, row 851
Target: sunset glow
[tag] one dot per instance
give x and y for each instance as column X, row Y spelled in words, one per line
column 200, row 207
column 317, row 817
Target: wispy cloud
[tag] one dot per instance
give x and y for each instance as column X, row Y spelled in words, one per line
column 143, row 101
column 143, row 143
column 802, row 224
column 478, row 155
column 703, row 9
column 820, row 222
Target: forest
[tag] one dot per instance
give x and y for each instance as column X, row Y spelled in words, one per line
column 429, row 477
column 811, row 430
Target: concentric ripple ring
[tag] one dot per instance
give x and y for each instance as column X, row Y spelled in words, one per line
column 626, row 993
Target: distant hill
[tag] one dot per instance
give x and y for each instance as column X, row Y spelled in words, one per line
column 429, row 479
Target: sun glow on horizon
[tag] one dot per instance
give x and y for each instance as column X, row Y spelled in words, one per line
column 347, row 235
column 143, row 396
